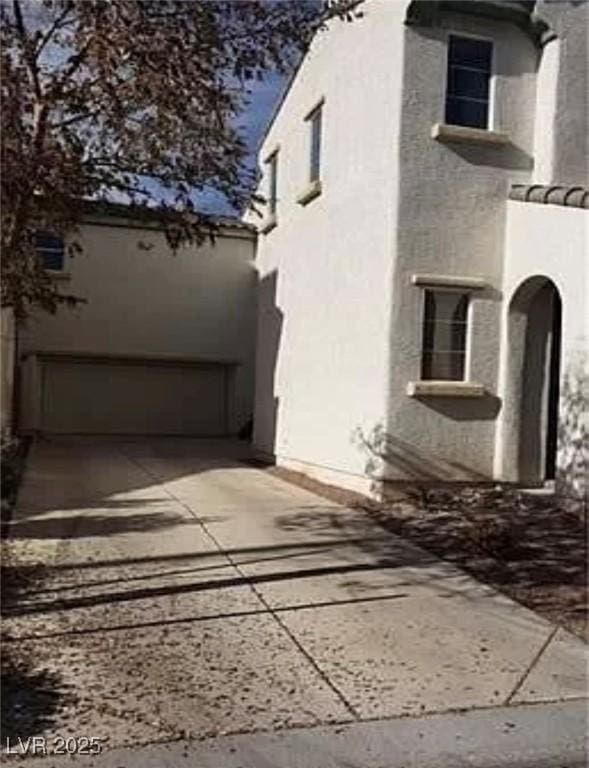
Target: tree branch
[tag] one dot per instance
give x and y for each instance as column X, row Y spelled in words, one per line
column 28, row 49
column 75, row 119
column 57, row 24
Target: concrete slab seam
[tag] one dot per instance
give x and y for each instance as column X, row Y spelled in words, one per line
column 532, row 664
column 256, row 592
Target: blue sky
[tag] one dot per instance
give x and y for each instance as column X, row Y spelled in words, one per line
column 252, row 122
column 264, row 97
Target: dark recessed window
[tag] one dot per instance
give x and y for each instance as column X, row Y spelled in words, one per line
column 444, row 335
column 468, row 83
column 272, row 163
column 315, row 121
column 51, row 251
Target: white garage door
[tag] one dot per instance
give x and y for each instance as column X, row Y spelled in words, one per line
column 134, row 398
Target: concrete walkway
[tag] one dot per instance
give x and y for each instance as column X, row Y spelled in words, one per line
column 189, row 595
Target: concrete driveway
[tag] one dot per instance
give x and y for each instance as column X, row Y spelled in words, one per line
column 188, row 594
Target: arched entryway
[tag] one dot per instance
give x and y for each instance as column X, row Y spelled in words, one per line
column 534, row 334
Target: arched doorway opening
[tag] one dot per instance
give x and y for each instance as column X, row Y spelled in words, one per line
column 535, row 315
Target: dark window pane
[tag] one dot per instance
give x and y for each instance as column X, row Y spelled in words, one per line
column 273, row 182
column 443, row 366
column 47, row 240
column 460, row 309
column 470, row 53
column 315, row 145
column 458, row 336
column 473, row 114
column 444, row 335
column 429, row 320
column 468, row 82
column 52, row 259
column 51, row 250
column 468, row 78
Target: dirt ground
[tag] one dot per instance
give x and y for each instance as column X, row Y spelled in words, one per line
column 527, row 546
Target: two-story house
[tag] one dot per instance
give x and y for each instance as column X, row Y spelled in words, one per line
column 422, row 308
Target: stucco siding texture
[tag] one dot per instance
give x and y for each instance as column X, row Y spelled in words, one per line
column 452, row 222
column 570, row 123
column 536, row 246
column 143, row 300
column 341, row 316
column 325, row 269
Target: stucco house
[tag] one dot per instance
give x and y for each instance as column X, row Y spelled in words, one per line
column 423, row 257
column 164, row 343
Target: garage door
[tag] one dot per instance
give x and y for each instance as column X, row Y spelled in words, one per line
column 134, row 398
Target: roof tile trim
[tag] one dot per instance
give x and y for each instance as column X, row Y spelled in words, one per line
column 550, row 194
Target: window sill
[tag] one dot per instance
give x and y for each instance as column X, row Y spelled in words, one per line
column 313, row 190
column 56, row 274
column 449, row 281
column 462, row 134
column 445, row 389
column 269, row 224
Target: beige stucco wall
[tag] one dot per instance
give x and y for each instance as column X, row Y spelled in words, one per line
column 553, row 242
column 451, row 222
column 562, row 113
column 568, row 125
column 340, row 320
column 143, row 300
column 325, row 269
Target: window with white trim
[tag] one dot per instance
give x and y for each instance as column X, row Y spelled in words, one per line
column 445, row 321
column 272, row 163
column 315, row 119
column 468, row 82
column 51, row 250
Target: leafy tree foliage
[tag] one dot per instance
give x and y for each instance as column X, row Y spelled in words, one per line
column 115, row 98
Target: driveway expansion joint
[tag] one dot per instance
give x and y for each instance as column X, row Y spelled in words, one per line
column 532, row 664
column 266, row 613
column 272, row 612
column 247, row 580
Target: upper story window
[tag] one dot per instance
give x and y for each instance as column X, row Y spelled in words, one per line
column 51, row 251
column 272, row 163
column 315, row 119
column 444, row 335
column 468, row 82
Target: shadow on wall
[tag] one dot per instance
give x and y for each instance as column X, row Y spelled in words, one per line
column 483, row 408
column 270, row 321
column 506, row 156
column 572, row 476
column 389, row 458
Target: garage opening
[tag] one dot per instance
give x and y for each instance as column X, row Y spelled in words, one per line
column 135, row 397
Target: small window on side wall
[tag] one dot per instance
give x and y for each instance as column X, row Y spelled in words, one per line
column 468, row 82
column 315, row 120
column 272, row 163
column 51, row 251
column 444, row 335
